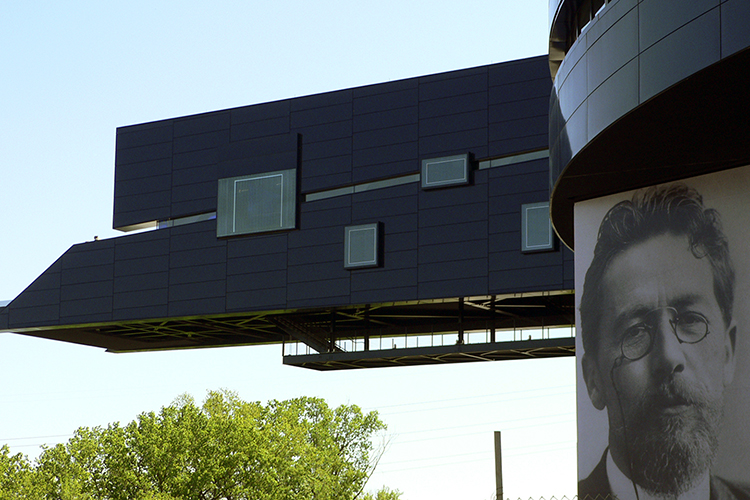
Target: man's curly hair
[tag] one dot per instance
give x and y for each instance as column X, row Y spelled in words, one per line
column 673, row 209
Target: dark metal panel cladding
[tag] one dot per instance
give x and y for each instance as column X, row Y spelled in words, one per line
column 39, row 304
column 194, row 199
column 683, row 52
column 201, row 125
column 509, row 260
column 260, row 128
column 257, row 272
column 385, row 133
column 734, row 33
column 386, row 96
column 454, row 105
column 198, row 142
column 384, row 161
column 455, row 123
column 519, row 110
column 384, row 136
column 162, row 150
column 516, row 119
column 262, row 299
column 638, row 86
column 324, row 292
column 568, row 269
column 86, row 283
column 449, row 85
column 453, row 238
column 258, row 280
column 254, row 156
column 260, row 113
column 511, row 187
column 322, row 173
column 200, row 305
column 375, row 286
column 135, row 136
column 523, row 70
column 241, row 271
column 502, row 147
column 446, row 125
column 534, row 279
column 321, row 109
column 458, row 286
column 445, row 243
column 142, row 188
column 516, row 90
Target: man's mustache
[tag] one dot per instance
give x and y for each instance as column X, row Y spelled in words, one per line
column 675, row 392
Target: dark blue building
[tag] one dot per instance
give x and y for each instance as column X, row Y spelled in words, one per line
column 409, row 208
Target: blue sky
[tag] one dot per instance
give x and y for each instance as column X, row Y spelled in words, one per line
column 75, row 71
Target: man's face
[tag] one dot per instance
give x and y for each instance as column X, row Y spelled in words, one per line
column 663, row 408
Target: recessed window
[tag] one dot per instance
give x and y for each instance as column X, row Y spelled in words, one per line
column 362, row 246
column 257, row 203
column 536, row 228
column 445, row 171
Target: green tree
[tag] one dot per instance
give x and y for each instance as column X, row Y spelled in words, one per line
column 383, row 494
column 225, row 449
column 18, row 479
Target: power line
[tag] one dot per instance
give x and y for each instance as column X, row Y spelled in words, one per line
column 488, row 456
column 494, row 395
column 497, row 423
column 3, row 440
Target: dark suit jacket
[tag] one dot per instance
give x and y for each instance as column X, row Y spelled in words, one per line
column 596, row 486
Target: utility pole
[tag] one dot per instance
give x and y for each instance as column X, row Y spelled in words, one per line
column 498, row 467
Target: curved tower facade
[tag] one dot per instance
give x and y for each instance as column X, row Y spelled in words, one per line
column 645, row 91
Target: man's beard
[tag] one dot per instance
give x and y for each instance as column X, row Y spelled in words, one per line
column 670, row 452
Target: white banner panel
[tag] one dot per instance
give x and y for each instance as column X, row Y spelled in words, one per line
column 663, row 341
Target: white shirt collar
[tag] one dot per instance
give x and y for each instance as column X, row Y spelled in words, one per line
column 622, row 487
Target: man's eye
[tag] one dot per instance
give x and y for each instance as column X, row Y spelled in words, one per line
column 693, row 323
column 636, row 337
column 691, row 318
column 636, row 341
column 636, row 331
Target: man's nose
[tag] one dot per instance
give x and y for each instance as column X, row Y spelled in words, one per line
column 667, row 356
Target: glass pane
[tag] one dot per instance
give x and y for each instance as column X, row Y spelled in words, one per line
column 536, row 229
column 447, row 171
column 584, row 15
column 258, row 203
column 362, row 246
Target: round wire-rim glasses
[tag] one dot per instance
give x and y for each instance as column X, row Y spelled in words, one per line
column 689, row 327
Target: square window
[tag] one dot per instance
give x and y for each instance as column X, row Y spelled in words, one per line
column 257, row 203
column 445, row 171
column 536, row 228
column 362, row 246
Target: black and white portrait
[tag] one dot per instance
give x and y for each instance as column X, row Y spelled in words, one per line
column 661, row 285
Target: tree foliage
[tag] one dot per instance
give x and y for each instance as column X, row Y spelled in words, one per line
column 384, row 494
column 225, row 449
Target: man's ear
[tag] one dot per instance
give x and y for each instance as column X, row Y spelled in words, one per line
column 730, row 340
column 593, row 381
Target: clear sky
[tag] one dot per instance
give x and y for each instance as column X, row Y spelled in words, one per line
column 72, row 72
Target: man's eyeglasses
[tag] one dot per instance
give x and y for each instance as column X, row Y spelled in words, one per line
column 638, row 340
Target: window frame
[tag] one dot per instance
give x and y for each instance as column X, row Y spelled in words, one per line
column 525, row 233
column 463, row 180
column 376, row 228
column 227, row 204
